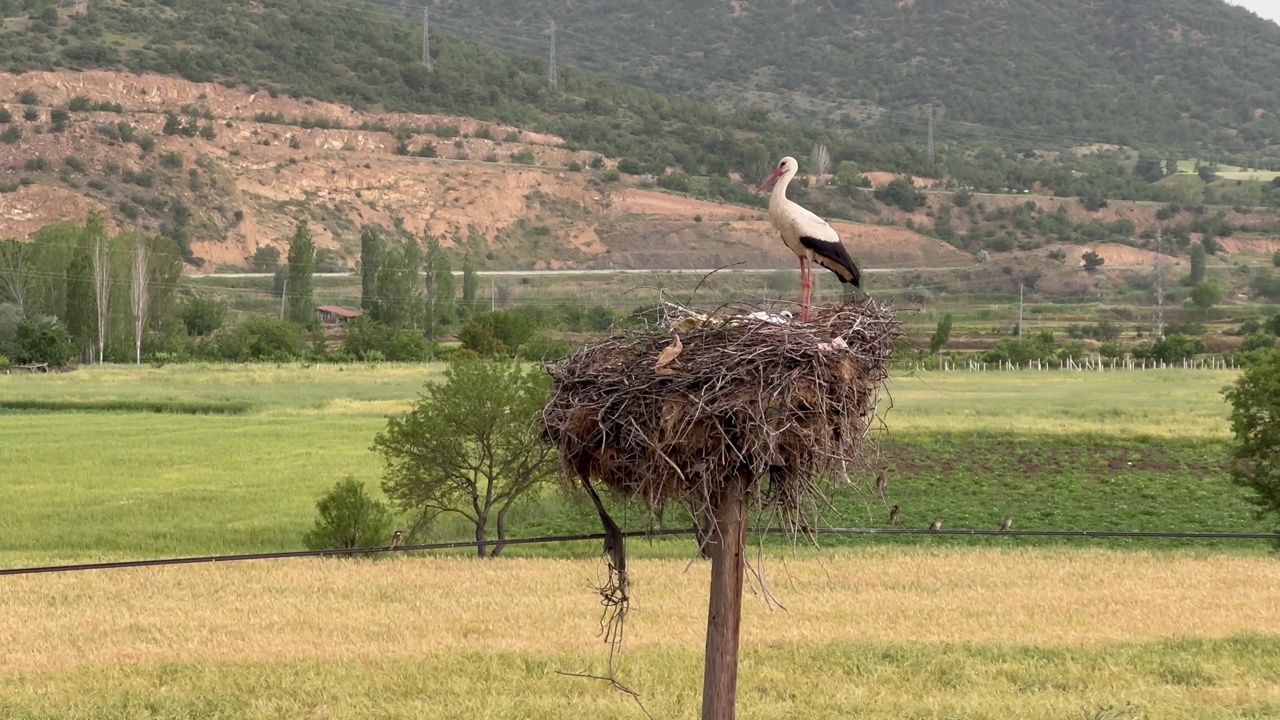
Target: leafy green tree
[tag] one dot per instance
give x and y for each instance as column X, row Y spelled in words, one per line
column 470, row 283
column 255, row 338
column 349, row 518
column 941, row 335
column 202, row 316
column 848, row 174
column 942, row 225
column 1174, row 347
column 300, row 303
column 439, row 289
column 81, row 313
column 1092, row 261
column 1196, row 274
column 470, row 446
column 266, row 259
column 372, row 255
column 367, row 339
column 1255, row 423
column 902, row 193
column 1206, row 294
column 497, row 333
column 43, row 340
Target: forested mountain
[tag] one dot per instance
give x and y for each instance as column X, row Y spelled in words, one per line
column 1188, row 75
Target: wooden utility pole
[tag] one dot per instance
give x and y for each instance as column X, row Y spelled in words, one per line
column 724, row 613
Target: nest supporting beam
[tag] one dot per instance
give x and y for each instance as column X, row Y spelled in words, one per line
column 724, row 612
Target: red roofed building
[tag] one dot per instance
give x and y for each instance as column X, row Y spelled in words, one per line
column 333, row 315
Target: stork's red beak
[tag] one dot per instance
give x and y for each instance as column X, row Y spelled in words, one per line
column 769, row 180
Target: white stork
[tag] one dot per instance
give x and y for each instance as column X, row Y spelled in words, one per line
column 807, row 235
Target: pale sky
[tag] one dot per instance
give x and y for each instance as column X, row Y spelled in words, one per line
column 1269, row 9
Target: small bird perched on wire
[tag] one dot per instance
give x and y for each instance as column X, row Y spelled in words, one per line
column 396, row 540
column 895, row 515
column 937, row 524
column 1007, row 526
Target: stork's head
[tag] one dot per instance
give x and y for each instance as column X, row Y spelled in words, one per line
column 786, row 165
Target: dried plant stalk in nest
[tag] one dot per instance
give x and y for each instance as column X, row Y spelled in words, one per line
column 673, row 410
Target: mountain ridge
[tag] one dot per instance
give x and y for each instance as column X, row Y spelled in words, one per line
column 1144, row 73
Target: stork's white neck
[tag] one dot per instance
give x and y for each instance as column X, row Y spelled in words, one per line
column 779, row 194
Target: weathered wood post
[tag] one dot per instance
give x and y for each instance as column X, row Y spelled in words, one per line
column 724, row 609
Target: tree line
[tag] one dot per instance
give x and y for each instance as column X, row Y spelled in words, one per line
column 74, row 291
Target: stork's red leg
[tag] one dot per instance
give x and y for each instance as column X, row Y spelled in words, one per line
column 806, row 288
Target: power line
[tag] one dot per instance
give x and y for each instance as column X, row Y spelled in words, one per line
column 544, row 540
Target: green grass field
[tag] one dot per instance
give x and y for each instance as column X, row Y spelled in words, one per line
column 122, row 462
column 1059, row 450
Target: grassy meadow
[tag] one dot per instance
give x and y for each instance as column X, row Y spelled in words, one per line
column 239, row 459
column 123, row 462
column 870, row 633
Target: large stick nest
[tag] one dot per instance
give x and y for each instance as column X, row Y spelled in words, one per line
column 673, row 410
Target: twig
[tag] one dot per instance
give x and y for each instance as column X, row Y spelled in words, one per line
column 613, row 682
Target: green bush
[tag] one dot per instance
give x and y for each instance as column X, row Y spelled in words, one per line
column 202, row 316
column 43, row 340
column 497, row 333
column 543, row 347
column 372, row 341
column 349, row 518
column 256, row 338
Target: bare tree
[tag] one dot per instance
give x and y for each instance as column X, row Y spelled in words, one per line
column 821, row 160
column 14, row 273
column 102, row 287
column 139, row 292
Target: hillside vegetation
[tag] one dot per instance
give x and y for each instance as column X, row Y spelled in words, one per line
column 1196, row 75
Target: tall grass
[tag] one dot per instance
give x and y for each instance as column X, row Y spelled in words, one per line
column 881, row 634
column 1050, row 449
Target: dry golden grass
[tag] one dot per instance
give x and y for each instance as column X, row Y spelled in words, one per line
column 909, row 633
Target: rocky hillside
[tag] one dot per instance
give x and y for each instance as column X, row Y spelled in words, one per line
column 229, row 171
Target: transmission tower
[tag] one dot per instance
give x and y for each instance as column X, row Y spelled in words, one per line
column 930, row 133
column 553, row 77
column 1159, row 288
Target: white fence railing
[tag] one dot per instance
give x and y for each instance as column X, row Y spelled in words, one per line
column 1096, row 363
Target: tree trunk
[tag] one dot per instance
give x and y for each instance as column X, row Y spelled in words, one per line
column 481, row 536
column 724, row 615
column 502, row 533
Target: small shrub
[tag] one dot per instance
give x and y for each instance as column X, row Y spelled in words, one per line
column 79, row 103
column 349, row 518
column 5, row 116
column 36, row 164
column 29, row 97
column 11, row 135
column 31, row 114
column 172, row 160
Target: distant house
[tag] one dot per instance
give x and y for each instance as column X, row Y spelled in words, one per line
column 333, row 315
